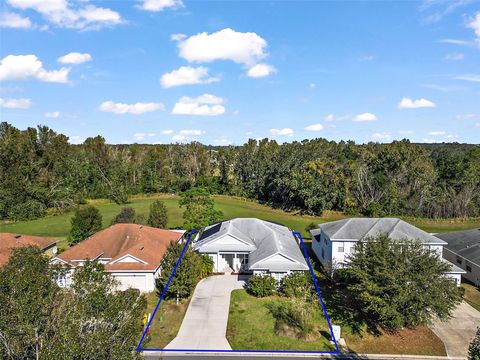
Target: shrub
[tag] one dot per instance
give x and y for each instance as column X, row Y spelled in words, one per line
column 125, row 216
column 207, row 265
column 298, row 285
column 474, row 347
column 294, row 315
column 86, row 221
column 158, row 215
column 262, row 285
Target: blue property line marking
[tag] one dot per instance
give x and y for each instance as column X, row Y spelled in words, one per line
column 139, row 346
column 319, row 293
column 317, row 288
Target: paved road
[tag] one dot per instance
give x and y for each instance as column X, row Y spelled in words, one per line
column 205, row 323
column 457, row 333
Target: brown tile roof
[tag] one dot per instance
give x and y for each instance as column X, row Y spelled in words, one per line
column 9, row 241
column 145, row 243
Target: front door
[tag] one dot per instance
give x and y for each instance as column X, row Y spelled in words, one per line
column 227, row 261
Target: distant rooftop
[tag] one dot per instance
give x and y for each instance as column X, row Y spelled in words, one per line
column 464, row 243
column 361, row 228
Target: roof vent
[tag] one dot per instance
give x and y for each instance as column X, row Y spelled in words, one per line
column 18, row 236
column 142, row 248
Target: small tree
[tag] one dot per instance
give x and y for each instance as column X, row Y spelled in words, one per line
column 186, row 275
column 399, row 284
column 86, row 221
column 158, row 216
column 125, row 216
column 474, row 347
column 199, row 209
column 261, row 285
column 298, row 285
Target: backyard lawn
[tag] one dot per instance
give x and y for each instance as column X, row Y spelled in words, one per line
column 166, row 323
column 252, row 326
column 472, row 294
column 59, row 226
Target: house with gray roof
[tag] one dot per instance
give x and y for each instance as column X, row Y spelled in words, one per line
column 251, row 245
column 463, row 249
column 334, row 241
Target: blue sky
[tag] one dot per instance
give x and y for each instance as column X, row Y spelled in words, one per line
column 220, row 72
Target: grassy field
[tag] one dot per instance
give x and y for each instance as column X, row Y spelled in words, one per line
column 472, row 294
column 251, row 326
column 59, row 226
column 166, row 323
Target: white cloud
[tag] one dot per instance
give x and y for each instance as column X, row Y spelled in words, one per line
column 382, row 136
column 282, row 132
column 468, row 77
column 227, row 44
column 407, row 103
column 15, row 103
column 24, row 67
column 314, row 127
column 312, row 85
column 74, row 58
column 205, row 105
column 365, row 117
column 467, row 116
column 191, row 132
column 366, row 58
column 475, row 24
column 236, row 112
column 178, row 37
column 142, row 136
column 52, row 114
column 222, row 141
column 166, row 132
column 187, row 75
column 135, row 109
column 186, row 135
column 245, row 48
column 14, row 21
column 437, row 133
column 456, row 42
column 79, row 16
column 477, row 125
column 454, row 56
column 160, row 5
column 261, row 70
column 75, row 139
column 329, row 117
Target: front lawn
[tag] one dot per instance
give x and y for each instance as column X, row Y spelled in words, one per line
column 251, row 326
column 418, row 341
column 167, row 321
column 472, row 295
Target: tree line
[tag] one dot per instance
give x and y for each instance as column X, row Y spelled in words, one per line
column 40, row 173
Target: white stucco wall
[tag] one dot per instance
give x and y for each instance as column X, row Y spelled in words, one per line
column 473, row 275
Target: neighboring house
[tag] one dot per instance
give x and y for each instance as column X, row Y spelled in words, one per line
column 251, row 245
column 332, row 242
column 463, row 249
column 9, row 241
column 131, row 253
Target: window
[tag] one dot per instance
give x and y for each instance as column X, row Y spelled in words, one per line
column 459, row 260
column 317, row 238
column 341, row 249
column 469, row 267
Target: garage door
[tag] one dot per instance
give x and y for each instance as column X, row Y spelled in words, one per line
column 132, row 281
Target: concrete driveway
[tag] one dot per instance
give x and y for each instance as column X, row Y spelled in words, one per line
column 205, row 323
column 457, row 333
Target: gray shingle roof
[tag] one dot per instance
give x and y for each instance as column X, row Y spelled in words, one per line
column 261, row 238
column 361, row 228
column 464, row 243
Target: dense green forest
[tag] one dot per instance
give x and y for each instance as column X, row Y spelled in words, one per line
column 40, row 173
